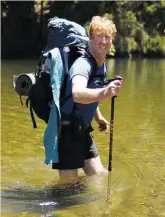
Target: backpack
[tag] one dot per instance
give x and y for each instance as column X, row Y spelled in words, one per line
column 71, row 40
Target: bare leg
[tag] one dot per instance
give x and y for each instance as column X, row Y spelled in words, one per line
column 93, row 166
column 68, row 175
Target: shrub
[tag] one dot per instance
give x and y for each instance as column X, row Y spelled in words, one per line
column 155, row 46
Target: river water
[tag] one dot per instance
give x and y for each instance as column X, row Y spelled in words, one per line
column 137, row 182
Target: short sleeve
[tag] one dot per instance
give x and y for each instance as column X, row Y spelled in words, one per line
column 81, row 66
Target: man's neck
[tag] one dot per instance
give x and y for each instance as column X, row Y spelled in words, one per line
column 99, row 59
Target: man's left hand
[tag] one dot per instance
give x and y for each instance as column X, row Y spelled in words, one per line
column 103, row 125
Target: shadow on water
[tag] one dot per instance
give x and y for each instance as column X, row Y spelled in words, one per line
column 48, row 200
column 45, row 199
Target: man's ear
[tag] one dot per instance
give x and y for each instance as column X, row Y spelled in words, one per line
column 90, row 36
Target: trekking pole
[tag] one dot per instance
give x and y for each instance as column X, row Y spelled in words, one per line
column 111, row 130
column 111, row 140
column 110, row 145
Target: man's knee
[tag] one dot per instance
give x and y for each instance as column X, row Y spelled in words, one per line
column 93, row 166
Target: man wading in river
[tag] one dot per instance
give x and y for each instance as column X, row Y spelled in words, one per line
column 76, row 147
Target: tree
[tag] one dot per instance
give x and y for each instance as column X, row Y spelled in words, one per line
column 18, row 35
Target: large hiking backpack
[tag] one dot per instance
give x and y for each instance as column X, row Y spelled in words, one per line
column 71, row 40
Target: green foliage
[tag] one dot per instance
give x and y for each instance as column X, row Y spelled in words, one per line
column 133, row 46
column 154, row 17
column 140, row 36
column 130, row 23
column 18, row 36
column 122, row 46
column 151, row 9
column 140, row 24
column 155, row 46
column 112, row 51
column 109, row 16
column 86, row 26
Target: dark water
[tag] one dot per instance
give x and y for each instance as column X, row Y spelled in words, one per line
column 30, row 188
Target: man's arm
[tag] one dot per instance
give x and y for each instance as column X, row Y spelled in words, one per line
column 102, row 122
column 98, row 114
column 82, row 94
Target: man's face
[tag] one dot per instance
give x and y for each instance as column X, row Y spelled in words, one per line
column 101, row 43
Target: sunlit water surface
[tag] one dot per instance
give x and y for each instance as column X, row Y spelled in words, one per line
column 137, row 182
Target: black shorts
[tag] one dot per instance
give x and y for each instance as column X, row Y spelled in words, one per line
column 74, row 147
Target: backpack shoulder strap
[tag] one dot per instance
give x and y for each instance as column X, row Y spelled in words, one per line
column 94, row 67
column 92, row 76
column 88, row 56
column 64, row 55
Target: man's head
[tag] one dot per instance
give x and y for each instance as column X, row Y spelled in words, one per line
column 101, row 34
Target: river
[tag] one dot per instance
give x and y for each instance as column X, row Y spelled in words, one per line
column 29, row 188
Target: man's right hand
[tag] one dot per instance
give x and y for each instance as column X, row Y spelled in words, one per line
column 112, row 89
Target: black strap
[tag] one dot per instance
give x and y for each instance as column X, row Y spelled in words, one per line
column 66, row 73
column 31, row 112
column 32, row 117
column 89, row 56
column 27, row 102
column 20, row 97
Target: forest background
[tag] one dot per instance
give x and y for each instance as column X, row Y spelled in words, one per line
column 140, row 25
